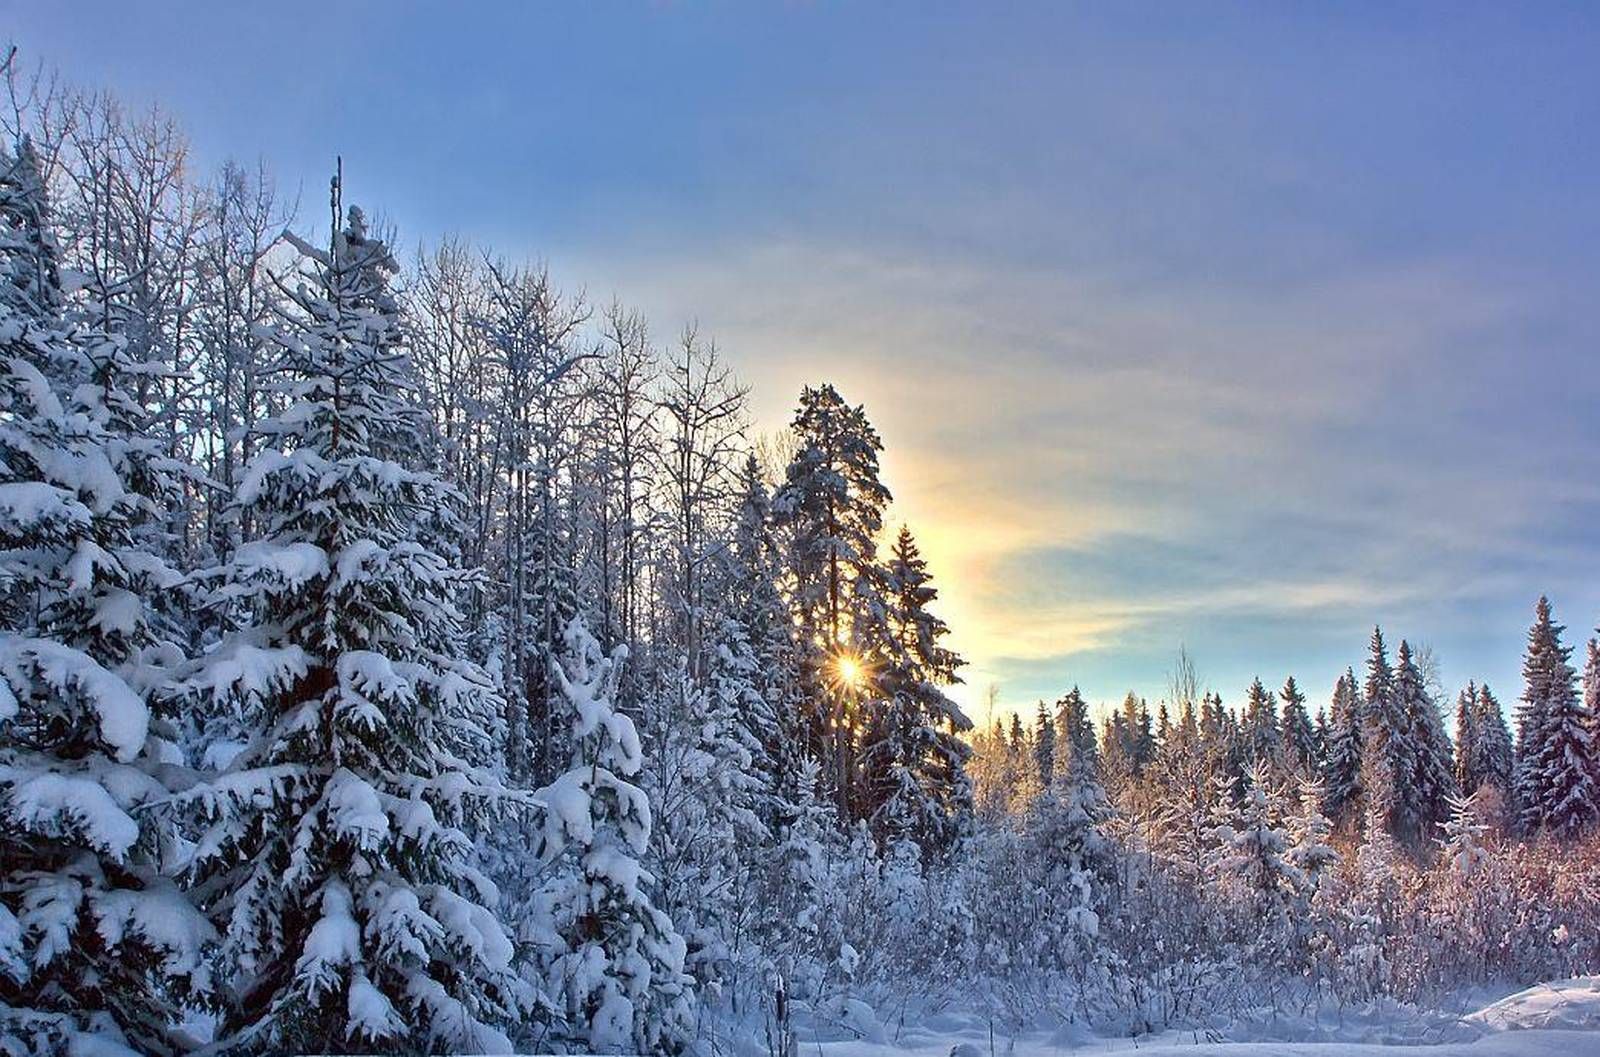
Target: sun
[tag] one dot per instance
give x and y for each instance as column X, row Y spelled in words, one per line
column 850, row 670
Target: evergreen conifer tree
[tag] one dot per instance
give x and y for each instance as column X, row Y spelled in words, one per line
column 337, row 847
column 1163, row 725
column 1263, row 740
column 1462, row 837
column 1431, row 780
column 1254, row 858
column 919, row 760
column 1346, row 739
column 611, row 958
column 830, row 511
column 1493, row 753
column 1044, row 746
column 760, row 636
column 1075, row 732
column 1555, row 748
column 1309, row 833
column 1466, row 739
column 97, row 946
column 1388, row 707
column 1068, row 831
column 1298, row 734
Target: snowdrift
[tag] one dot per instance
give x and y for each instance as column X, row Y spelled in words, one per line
column 1560, row 1018
column 1569, row 1005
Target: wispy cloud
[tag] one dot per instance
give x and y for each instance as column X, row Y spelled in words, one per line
column 1092, row 465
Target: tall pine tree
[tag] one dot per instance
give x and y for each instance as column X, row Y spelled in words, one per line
column 829, row 510
column 1492, row 765
column 1263, row 740
column 1044, row 746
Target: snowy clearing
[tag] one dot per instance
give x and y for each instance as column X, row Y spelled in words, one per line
column 1499, row 1044
column 1562, row 1017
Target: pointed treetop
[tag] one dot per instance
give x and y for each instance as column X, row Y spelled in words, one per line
column 1380, row 676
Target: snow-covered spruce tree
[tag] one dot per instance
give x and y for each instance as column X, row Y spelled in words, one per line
column 1389, row 704
column 1223, row 742
column 1556, row 773
column 1493, row 756
column 1591, row 690
column 1466, row 738
column 1144, row 740
column 1378, row 691
column 1263, row 740
column 756, row 608
column 1379, row 809
column 1164, row 728
column 1118, row 764
column 1471, row 927
column 1341, row 767
column 915, row 767
column 1461, row 840
column 612, row 961
column 1309, row 833
column 1253, row 864
column 336, row 852
column 1591, row 676
column 1068, row 842
column 799, row 931
column 96, row 946
column 1044, row 746
column 723, row 779
column 1075, row 733
column 1022, row 783
column 709, row 841
column 1527, row 776
column 1299, row 735
column 1185, row 782
column 1431, row 781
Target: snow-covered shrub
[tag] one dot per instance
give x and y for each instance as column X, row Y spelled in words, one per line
column 611, row 960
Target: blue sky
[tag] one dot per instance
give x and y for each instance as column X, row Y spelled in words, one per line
column 1242, row 326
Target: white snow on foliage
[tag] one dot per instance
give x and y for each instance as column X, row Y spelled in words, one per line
column 124, row 718
column 163, row 916
column 334, row 941
column 27, row 505
column 63, row 805
column 355, row 810
column 293, row 564
column 252, row 671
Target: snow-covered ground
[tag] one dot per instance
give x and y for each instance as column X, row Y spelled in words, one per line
column 1572, row 1005
column 1550, row 1020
